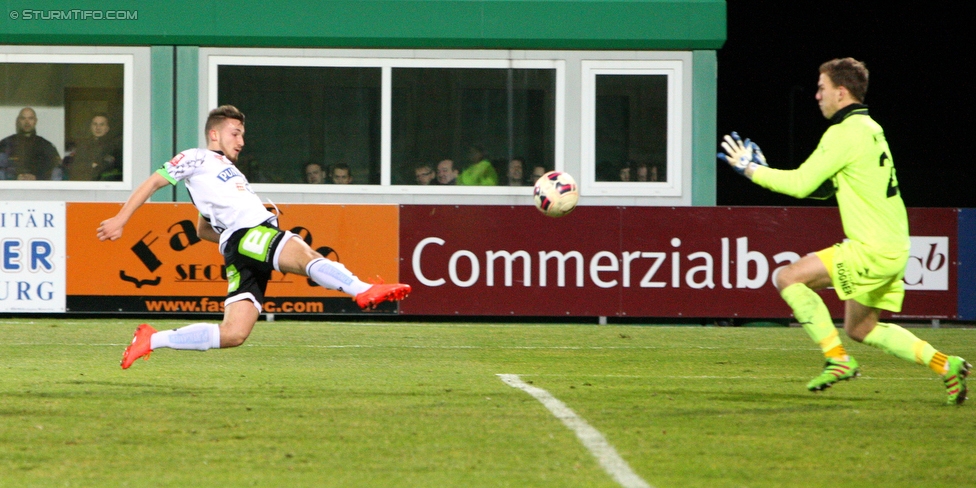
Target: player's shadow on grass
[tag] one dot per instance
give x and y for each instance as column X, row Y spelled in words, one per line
column 77, row 388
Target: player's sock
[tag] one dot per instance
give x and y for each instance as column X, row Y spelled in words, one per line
column 838, row 352
column 198, row 337
column 335, row 276
column 901, row 343
column 938, row 363
column 810, row 311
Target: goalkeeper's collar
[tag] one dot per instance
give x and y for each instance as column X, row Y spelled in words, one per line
column 852, row 109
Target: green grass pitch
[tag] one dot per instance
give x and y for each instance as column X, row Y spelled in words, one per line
column 406, row 404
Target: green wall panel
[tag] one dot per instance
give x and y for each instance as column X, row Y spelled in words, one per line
column 704, row 107
column 161, row 111
column 580, row 24
column 187, row 106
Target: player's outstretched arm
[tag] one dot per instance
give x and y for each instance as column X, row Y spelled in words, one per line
column 111, row 228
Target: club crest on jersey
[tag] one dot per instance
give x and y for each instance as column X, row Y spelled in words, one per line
column 227, row 174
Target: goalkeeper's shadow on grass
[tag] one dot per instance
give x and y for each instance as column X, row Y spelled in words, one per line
column 823, row 400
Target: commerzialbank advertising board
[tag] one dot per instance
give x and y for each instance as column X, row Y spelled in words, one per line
column 641, row 261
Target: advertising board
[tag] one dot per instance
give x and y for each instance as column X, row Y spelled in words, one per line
column 640, row 261
column 32, row 257
column 161, row 265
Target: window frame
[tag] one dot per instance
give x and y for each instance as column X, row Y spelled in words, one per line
column 67, row 56
column 387, row 65
column 677, row 119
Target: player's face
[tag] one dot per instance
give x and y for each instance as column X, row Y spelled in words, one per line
column 828, row 96
column 229, row 138
column 26, row 120
column 99, row 126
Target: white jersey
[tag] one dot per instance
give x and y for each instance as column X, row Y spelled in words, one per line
column 219, row 191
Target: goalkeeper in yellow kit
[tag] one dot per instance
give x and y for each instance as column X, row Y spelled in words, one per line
column 866, row 270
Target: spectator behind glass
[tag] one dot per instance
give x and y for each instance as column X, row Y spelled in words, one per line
column 314, row 173
column 26, row 155
column 341, row 175
column 97, row 157
column 516, row 171
column 481, row 172
column 425, row 175
column 625, row 170
column 446, row 174
column 537, row 172
column 646, row 172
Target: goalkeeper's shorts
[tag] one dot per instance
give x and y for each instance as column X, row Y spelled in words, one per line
column 865, row 275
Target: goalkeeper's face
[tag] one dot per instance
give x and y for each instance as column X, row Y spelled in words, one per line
column 829, row 97
column 228, row 137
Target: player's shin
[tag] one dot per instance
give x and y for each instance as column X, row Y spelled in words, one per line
column 199, row 337
column 901, row 343
column 810, row 310
column 335, row 276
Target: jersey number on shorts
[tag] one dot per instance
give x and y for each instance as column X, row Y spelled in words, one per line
column 255, row 242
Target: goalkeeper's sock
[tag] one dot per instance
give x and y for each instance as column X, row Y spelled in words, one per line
column 901, row 343
column 199, row 337
column 838, row 352
column 810, row 311
column 939, row 363
column 334, row 276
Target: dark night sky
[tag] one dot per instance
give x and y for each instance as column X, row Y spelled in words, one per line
column 918, row 91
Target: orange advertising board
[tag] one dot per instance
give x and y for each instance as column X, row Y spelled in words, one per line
column 160, row 254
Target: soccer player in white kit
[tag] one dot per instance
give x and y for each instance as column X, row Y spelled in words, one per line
column 248, row 237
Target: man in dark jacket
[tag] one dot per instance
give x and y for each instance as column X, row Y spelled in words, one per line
column 26, row 155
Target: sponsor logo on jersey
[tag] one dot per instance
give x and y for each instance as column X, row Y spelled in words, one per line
column 227, row 174
column 176, row 159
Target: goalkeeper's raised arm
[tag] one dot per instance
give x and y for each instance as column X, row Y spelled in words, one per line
column 812, row 179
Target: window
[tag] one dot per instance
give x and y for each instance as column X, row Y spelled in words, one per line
column 68, row 120
column 472, row 115
column 384, row 121
column 298, row 116
column 632, row 126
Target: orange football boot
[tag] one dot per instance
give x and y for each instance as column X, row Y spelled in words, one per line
column 382, row 292
column 140, row 347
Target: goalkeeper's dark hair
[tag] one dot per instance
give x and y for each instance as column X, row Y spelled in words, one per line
column 218, row 115
column 848, row 73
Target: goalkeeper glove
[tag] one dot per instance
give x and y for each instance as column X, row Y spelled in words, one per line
column 757, row 154
column 741, row 154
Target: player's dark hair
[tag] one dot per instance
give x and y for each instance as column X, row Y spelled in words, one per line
column 848, row 73
column 220, row 114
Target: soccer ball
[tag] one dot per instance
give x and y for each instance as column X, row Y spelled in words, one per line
column 556, row 194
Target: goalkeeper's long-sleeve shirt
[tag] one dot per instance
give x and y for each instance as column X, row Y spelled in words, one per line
column 854, row 154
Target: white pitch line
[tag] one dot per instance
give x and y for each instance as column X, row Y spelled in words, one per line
column 594, row 441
